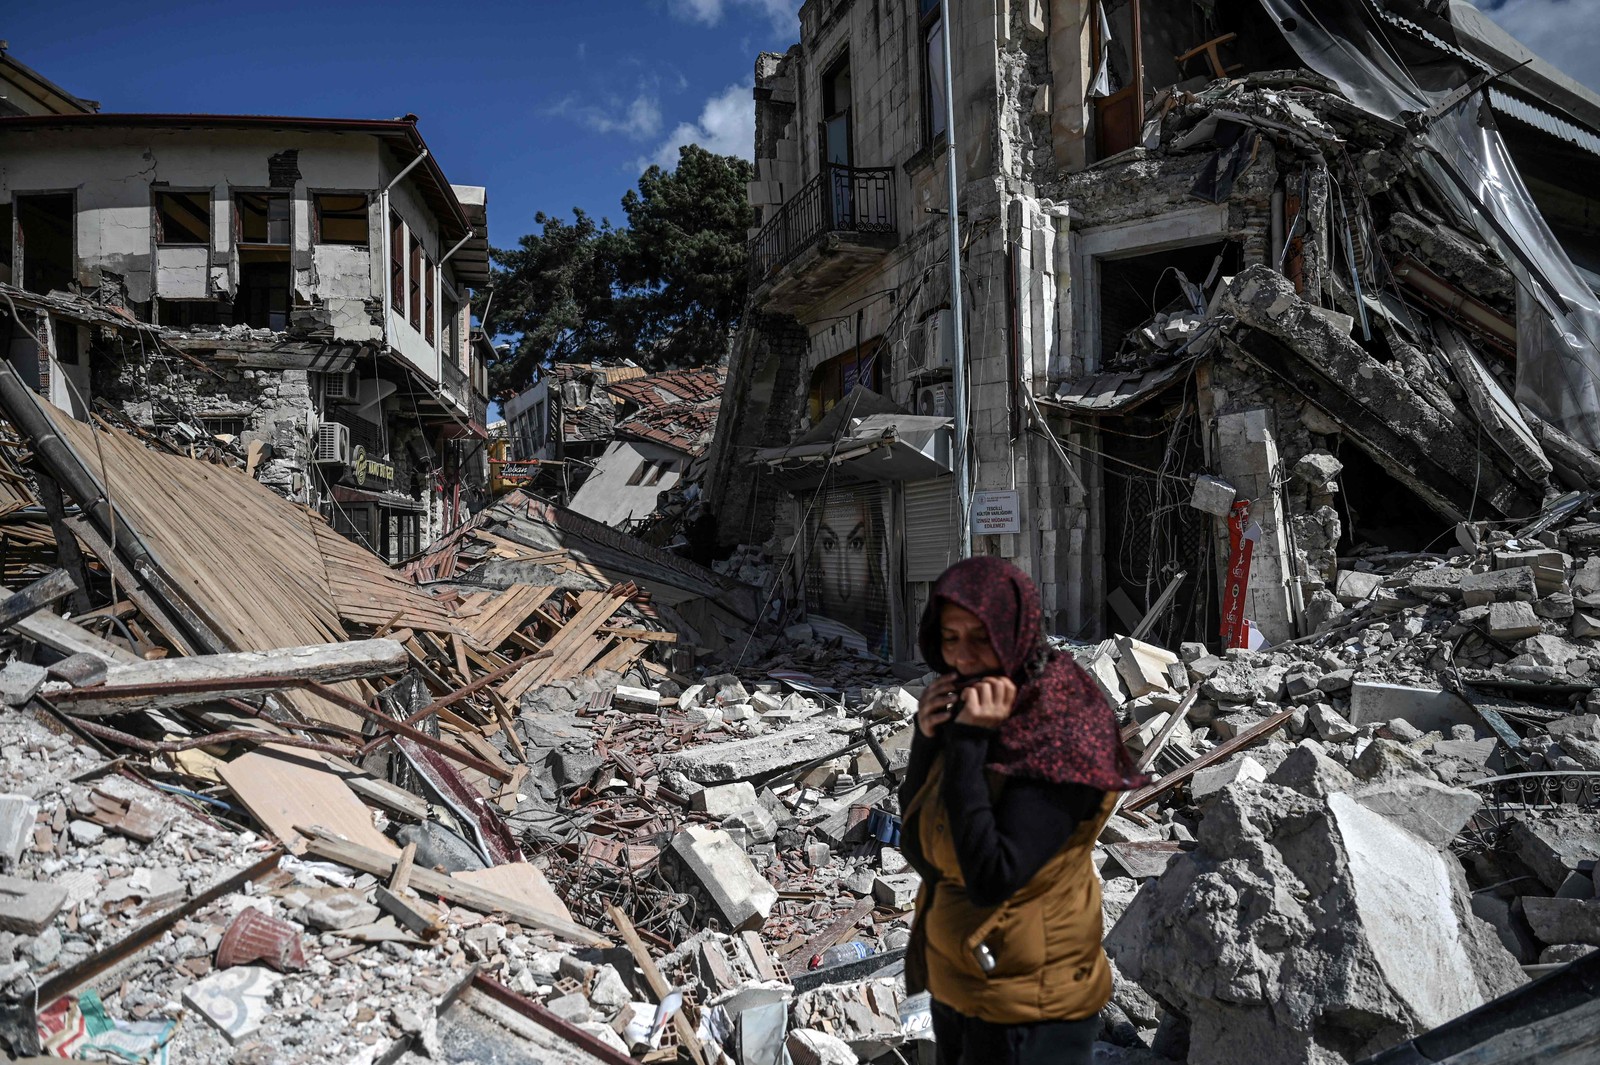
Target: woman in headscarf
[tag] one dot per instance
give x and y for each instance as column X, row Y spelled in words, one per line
column 1015, row 766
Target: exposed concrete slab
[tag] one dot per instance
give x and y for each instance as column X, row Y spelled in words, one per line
column 1429, row 709
column 1425, row 808
column 716, row 763
column 709, row 859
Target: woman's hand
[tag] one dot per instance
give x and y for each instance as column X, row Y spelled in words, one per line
column 937, row 705
column 988, row 702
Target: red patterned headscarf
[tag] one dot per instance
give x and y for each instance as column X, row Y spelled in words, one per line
column 1061, row 728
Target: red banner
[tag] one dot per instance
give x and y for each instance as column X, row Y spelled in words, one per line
column 1235, row 629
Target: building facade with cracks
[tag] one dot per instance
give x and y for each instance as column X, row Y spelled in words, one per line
column 1334, row 263
column 291, row 291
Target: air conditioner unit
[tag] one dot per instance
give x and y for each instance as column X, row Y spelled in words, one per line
column 341, row 387
column 936, row 400
column 333, row 444
column 933, row 347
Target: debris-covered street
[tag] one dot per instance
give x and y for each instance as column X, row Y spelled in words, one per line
column 423, row 647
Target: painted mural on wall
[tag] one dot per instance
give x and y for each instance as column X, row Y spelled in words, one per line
column 847, row 563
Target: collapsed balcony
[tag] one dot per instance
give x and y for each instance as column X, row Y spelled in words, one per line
column 838, row 224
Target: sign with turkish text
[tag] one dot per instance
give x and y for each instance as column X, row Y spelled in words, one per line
column 996, row 511
column 366, row 468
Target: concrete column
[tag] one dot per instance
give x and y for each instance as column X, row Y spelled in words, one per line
column 1246, row 456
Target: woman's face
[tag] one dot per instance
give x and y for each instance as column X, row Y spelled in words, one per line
column 964, row 642
column 843, row 559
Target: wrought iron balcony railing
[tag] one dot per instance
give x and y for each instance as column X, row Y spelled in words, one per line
column 841, row 199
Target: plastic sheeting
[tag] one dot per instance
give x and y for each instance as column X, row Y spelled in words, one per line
column 1558, row 314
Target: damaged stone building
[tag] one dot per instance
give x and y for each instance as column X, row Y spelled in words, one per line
column 293, row 292
column 1266, row 282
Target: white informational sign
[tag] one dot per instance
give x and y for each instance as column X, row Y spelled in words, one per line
column 996, row 511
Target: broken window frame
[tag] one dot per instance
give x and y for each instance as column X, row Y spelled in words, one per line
column 320, row 215
column 241, row 197
column 827, row 386
column 930, row 27
column 20, row 266
column 159, row 214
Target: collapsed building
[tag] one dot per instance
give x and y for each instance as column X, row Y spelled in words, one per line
column 1199, row 254
column 295, row 290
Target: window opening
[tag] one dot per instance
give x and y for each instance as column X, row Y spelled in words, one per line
column 397, row 263
column 427, row 302
column 182, row 314
column 414, row 281
column 843, row 374
column 263, row 217
column 44, row 229
column 183, row 218
column 933, row 86
column 263, row 299
column 341, row 218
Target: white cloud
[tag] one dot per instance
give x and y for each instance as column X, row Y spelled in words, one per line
column 727, row 126
column 639, row 118
column 1558, row 31
column 781, row 13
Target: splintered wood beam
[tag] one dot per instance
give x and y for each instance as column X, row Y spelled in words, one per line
column 52, row 588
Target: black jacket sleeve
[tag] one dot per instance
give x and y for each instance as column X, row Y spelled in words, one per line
column 923, row 752
column 1002, row 843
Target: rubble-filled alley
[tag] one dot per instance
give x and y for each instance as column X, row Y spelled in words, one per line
column 339, row 724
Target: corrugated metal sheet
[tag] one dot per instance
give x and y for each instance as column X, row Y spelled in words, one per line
column 1537, row 117
column 930, row 527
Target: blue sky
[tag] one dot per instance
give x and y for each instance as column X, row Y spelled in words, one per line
column 550, row 103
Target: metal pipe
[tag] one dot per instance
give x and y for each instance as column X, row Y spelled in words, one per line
column 470, row 234
column 959, row 369
column 405, row 170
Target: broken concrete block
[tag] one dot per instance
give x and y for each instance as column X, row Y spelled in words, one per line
column 1234, row 682
column 1335, row 681
column 573, row 1007
column 724, row 800
column 1472, row 752
column 1318, row 469
column 897, row 891
column 1189, row 652
column 1585, row 626
column 21, row 681
column 1329, row 723
column 28, row 906
column 1383, row 759
column 716, row 763
column 1308, row 770
column 1235, row 770
column 1425, row 808
column 1143, row 666
column 1105, row 674
column 708, row 859
column 1213, row 495
column 1512, row 621
column 1510, row 927
column 17, row 814
column 235, row 1001
column 757, row 823
column 1549, row 567
column 1563, row 920
column 1441, row 580
column 1370, row 929
column 1429, row 709
column 811, row 1046
column 642, row 698
column 333, row 913
column 1353, row 586
column 1557, row 844
column 1499, row 586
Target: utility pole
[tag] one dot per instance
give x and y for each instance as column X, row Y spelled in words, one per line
column 959, row 370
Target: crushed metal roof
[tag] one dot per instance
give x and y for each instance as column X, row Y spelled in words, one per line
column 1537, row 117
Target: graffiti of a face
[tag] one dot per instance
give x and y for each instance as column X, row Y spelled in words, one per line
column 843, row 561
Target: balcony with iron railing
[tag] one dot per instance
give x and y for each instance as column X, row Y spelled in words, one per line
column 836, row 225
column 454, row 383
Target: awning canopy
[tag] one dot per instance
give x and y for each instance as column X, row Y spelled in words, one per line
column 878, row 447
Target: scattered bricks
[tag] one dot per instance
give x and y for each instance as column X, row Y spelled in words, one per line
column 1425, row 808
column 1512, row 621
column 725, row 800
column 1329, row 724
column 1558, row 844
column 1143, row 666
column 1500, row 586
column 1336, row 681
column 336, row 912
column 1214, row 778
column 1353, row 586
column 1429, row 709
column 643, row 698
column 1563, row 920
column 897, row 891
column 21, row 681
column 708, row 858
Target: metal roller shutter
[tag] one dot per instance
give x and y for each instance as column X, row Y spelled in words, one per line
column 930, row 527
